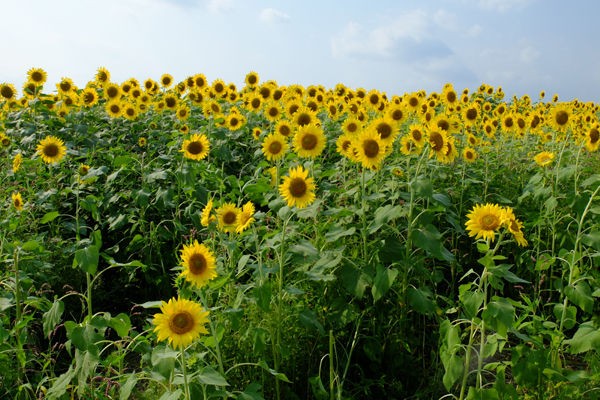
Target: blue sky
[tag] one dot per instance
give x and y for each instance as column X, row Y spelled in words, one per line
column 525, row 46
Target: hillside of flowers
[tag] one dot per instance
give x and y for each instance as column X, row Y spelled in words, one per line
column 197, row 240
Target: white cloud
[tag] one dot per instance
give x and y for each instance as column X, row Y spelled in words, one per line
column 271, row 15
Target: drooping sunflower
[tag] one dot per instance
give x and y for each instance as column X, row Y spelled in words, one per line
column 17, row 201
column 16, row 162
column 205, row 217
column 485, row 220
column 297, row 188
column 544, row 158
column 196, row 147
column 514, row 226
column 102, row 76
column 369, row 149
column 180, row 321
column 51, row 149
column 274, row 146
column 199, row 264
column 8, row 91
column 37, row 76
column 228, row 217
column 309, row 141
column 343, row 145
column 246, row 217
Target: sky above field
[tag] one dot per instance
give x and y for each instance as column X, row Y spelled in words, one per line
column 395, row 46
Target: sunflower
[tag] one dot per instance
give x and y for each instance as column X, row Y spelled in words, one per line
column 560, row 117
column 438, row 143
column 309, row 141
column 256, row 132
column 205, row 217
column 51, row 149
column 272, row 111
column 65, row 86
column 592, row 138
column 449, row 96
column 274, row 146
column 196, row 147
column 297, row 188
column 417, row 135
column 4, row 140
column 544, row 158
column 235, row 121
column 343, row 145
column 37, row 76
column 253, row 102
column 246, row 217
column 130, row 111
column 228, row 217
column 251, row 79
column 304, row 116
column 283, row 127
column 351, row 125
column 396, row 113
column 112, row 91
column 89, row 97
column 485, row 220
column 17, row 201
column 471, row 114
column 469, row 154
column 183, row 112
column 515, row 227
column 8, row 91
column 171, row 101
column 180, row 321
column 386, row 129
column 199, row 81
column 199, row 264
column 166, row 80
column 114, row 108
column 369, row 149
column 408, row 146
column 16, row 162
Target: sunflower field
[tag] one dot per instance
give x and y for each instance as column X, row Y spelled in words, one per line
column 195, row 240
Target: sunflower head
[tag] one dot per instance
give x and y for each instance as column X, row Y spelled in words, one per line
column 180, row 322
column 37, row 76
column 7, row 91
column 274, row 146
column 196, row 147
column 51, row 149
column 309, row 141
column 206, row 217
column 199, row 264
column 544, row 158
column 297, row 188
column 228, row 217
column 485, row 220
column 246, row 217
column 17, row 201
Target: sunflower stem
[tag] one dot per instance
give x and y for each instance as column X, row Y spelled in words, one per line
column 186, row 387
column 213, row 332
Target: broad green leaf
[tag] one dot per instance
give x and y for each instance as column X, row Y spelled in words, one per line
column 581, row 295
column 59, row 387
column 87, row 258
column 49, row 216
column 544, row 262
column 591, row 239
column 420, row 299
column 499, row 315
column 570, row 315
column 127, row 387
column 585, row 339
column 450, row 346
column 278, row 375
column 430, row 239
column 121, row 324
column 355, row 281
column 158, row 175
column 209, row 376
column 309, row 319
column 168, row 395
column 383, row 281
column 317, row 388
column 52, row 317
column 383, row 215
column 338, row 232
column 471, row 300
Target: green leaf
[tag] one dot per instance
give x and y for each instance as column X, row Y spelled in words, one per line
column 278, row 375
column 49, row 216
column 581, row 295
column 471, row 300
column 309, row 319
column 317, row 388
column 570, row 315
column 158, row 175
column 383, row 215
column 87, row 258
column 209, row 376
column 499, row 315
column 30, row 245
column 592, row 240
column 450, row 346
column 355, row 281
column 430, row 239
column 544, row 262
column 383, row 281
column 338, row 232
column 586, row 338
column 176, row 395
column 127, row 387
column 152, row 304
column 121, row 324
column 60, row 385
column 420, row 299
column 51, row 318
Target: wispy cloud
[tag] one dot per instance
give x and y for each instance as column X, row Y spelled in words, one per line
column 271, row 15
column 501, row 5
column 219, row 6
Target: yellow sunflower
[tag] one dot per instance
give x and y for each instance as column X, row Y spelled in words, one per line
column 251, row 79
column 297, row 188
column 544, row 158
column 343, row 145
column 246, row 217
column 283, row 127
column 515, row 227
column 114, row 108
column 196, row 147
column 304, row 116
column 199, row 264
column 37, row 75
column 274, row 146
column 8, row 91
column 438, row 143
column 89, row 97
column 66, row 85
column 205, row 217
column 17, row 201
column 102, row 76
column 309, row 141
column 560, row 117
column 166, row 80
column 228, row 217
column 386, row 128
column 16, row 162
column 235, row 121
column 180, row 321
column 485, row 220
column 4, row 140
column 469, row 154
column 51, row 149
column 369, row 149
column 408, row 146
column 592, row 138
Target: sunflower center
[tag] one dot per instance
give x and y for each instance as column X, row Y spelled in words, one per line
column 275, row 147
column 255, row 103
column 371, row 148
column 309, row 141
column 37, row 76
column 17, row 202
column 51, row 150
column 489, row 222
column 7, row 92
column 443, row 125
column 594, row 136
column 352, row 127
column 170, row 102
column 298, row 187
column 374, row 99
column 416, row 135
column 88, row 98
column 303, row 119
column 197, row 264
column 273, row 112
column 112, row 91
column 471, row 114
column 385, row 130
column 234, row 121
column 469, row 155
column 65, row 86
column 562, row 117
column 397, row 115
column 181, row 323
column 195, row 147
column 252, row 79
column 413, row 102
column 229, row 218
column 508, row 122
column 451, row 97
column 436, row 140
column 284, row 130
